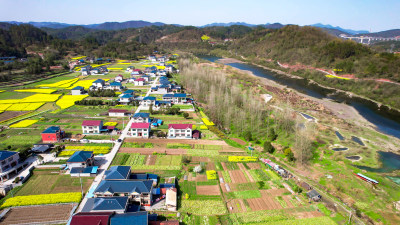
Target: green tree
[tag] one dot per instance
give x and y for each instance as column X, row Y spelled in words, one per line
column 268, row 147
column 186, row 115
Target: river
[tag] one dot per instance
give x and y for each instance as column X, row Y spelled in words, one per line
column 385, row 120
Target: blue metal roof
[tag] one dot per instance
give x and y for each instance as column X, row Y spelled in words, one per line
column 124, row 186
column 110, row 203
column 137, row 218
column 180, row 95
column 117, row 173
column 80, row 156
column 98, row 81
column 115, row 84
column 168, row 96
column 78, row 88
column 6, row 154
column 151, row 98
column 126, row 96
column 51, row 130
column 144, row 115
column 138, row 176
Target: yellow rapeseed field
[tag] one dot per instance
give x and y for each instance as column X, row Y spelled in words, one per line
column 39, row 90
column 23, row 123
column 69, row 100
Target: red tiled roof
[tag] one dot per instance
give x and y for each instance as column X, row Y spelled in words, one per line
column 180, row 126
column 91, row 218
column 117, row 111
column 91, row 123
column 140, row 125
column 136, row 70
column 140, row 79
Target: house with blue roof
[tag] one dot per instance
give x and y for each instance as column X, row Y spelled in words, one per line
column 162, row 104
column 116, row 86
column 52, row 134
column 179, row 98
column 169, row 68
column 81, row 159
column 161, row 73
column 144, row 176
column 168, row 97
column 117, row 173
column 131, row 92
column 137, row 191
column 148, row 101
column 141, row 118
column 86, row 70
column 107, row 204
column 78, row 90
column 8, row 163
column 98, row 84
column 125, row 99
column 90, row 171
column 137, row 218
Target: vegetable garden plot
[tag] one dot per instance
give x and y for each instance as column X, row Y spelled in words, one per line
column 208, row 190
column 237, row 176
column 203, row 207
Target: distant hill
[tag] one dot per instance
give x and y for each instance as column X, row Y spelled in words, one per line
column 274, row 25
column 229, row 24
column 385, row 34
column 334, row 32
column 349, row 31
column 54, row 25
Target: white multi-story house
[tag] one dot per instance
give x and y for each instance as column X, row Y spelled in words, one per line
column 92, row 126
column 148, row 101
column 8, row 161
column 141, row 118
column 139, row 82
column 125, row 99
column 99, row 83
column 140, row 130
column 180, row 131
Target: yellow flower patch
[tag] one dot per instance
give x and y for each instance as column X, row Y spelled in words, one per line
column 39, row 90
column 207, row 122
column 23, row 123
column 110, row 124
column 69, row 100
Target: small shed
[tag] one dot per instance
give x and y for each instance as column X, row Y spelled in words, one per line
column 196, row 134
column 170, row 200
column 314, row 195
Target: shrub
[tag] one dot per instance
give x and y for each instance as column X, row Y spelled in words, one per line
column 268, row 147
column 185, row 115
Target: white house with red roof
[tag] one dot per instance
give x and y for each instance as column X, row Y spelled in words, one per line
column 180, row 131
column 140, row 82
column 119, row 78
column 140, row 130
column 92, row 126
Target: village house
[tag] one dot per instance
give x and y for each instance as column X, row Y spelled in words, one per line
column 52, row 134
column 78, row 90
column 90, row 171
column 139, row 82
column 8, row 162
column 140, row 130
column 98, row 84
column 152, row 58
column 161, row 73
column 119, row 78
column 91, row 218
column 179, row 98
column 152, row 73
column 171, row 199
column 314, row 195
column 169, row 68
column 180, row 131
column 136, row 218
column 137, row 191
column 146, row 78
column 109, row 204
column 130, row 92
column 81, row 159
column 154, row 89
column 117, row 112
column 86, row 70
column 176, row 88
column 92, row 126
column 116, row 86
column 136, row 72
column 162, row 104
column 141, row 118
column 161, row 59
column 117, row 173
column 130, row 69
column 148, row 101
column 163, row 89
column 125, row 99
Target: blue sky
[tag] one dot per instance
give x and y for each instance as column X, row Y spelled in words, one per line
column 353, row 14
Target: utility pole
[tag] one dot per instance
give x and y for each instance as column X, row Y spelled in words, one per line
column 80, row 179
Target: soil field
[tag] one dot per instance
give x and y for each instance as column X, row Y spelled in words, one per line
column 208, row 190
column 200, row 159
column 210, row 166
column 237, row 176
column 148, row 151
column 254, row 166
column 264, row 203
column 10, row 114
column 50, row 214
column 273, row 192
column 224, row 166
column 151, row 160
column 239, row 141
column 311, row 214
column 182, row 141
column 242, row 168
column 237, row 206
column 201, row 177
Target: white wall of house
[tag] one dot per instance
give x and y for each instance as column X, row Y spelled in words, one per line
column 140, row 120
column 140, row 132
column 180, row 133
column 116, row 114
column 91, row 129
column 76, row 92
column 8, row 163
column 139, row 83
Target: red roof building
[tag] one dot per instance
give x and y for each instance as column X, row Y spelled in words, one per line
column 89, row 218
column 140, row 125
column 180, row 126
column 94, row 123
column 140, row 79
column 52, row 134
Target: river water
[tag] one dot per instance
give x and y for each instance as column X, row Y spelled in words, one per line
column 385, row 120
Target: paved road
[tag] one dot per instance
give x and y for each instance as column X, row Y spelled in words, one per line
column 107, row 159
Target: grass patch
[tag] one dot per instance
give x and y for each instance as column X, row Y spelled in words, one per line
column 231, row 166
column 259, row 175
column 137, row 145
column 227, row 178
column 179, row 146
column 209, row 182
column 243, row 194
